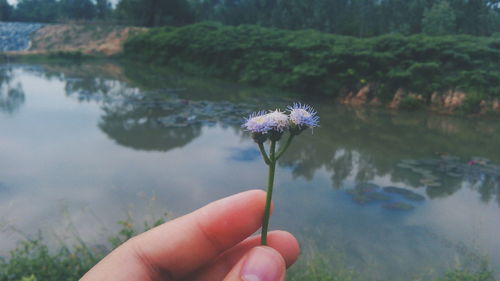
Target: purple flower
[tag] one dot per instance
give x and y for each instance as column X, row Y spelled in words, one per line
column 258, row 122
column 303, row 116
column 278, row 120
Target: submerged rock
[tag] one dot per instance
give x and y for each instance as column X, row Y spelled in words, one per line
column 366, row 192
column 407, row 194
column 365, row 187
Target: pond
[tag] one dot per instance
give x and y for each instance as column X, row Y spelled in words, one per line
column 393, row 196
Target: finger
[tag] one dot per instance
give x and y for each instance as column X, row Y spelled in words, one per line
column 185, row 244
column 281, row 241
column 260, row 264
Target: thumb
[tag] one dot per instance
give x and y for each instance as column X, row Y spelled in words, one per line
column 260, row 264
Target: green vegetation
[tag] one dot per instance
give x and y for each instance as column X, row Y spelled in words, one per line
column 411, row 103
column 318, row 63
column 361, row 18
column 461, row 275
column 154, row 12
column 32, row 260
column 472, row 103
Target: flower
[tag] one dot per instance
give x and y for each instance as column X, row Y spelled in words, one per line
column 257, row 122
column 303, row 116
column 278, row 120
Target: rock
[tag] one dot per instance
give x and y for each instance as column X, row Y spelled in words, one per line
column 362, row 96
column 398, row 206
column 15, row 36
column 481, row 160
column 365, row 192
column 495, row 105
column 363, row 198
column 394, row 104
column 365, row 187
column 407, row 194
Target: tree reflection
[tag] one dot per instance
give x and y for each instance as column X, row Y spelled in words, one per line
column 140, row 130
column 89, row 89
column 359, row 145
column 362, row 145
column 12, row 97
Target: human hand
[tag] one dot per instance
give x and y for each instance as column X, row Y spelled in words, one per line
column 209, row 244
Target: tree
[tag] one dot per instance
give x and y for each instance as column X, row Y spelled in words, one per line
column 36, row 10
column 155, row 12
column 477, row 17
column 439, row 20
column 102, row 9
column 77, row 9
column 5, row 10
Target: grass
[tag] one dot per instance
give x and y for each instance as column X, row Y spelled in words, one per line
column 34, row 260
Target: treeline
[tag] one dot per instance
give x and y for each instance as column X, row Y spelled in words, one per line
column 132, row 12
column 360, row 18
column 55, row 10
column 315, row 63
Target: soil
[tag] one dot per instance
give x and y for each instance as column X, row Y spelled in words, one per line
column 88, row 39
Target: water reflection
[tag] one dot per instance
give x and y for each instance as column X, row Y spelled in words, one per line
column 371, row 144
column 11, row 95
column 140, row 130
column 130, row 131
column 167, row 110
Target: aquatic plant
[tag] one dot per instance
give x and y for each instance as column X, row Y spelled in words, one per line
column 271, row 125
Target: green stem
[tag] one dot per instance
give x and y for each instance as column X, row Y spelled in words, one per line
column 285, row 147
column 264, row 154
column 270, row 184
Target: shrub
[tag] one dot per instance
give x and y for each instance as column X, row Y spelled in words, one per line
column 411, row 103
column 318, row 63
column 472, row 103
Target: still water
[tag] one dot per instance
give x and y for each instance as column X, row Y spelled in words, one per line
column 83, row 146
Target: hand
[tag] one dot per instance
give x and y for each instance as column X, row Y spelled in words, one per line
column 209, row 244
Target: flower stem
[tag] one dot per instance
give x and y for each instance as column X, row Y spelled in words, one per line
column 285, row 147
column 270, row 184
column 264, row 154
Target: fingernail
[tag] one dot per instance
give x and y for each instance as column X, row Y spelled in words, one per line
column 263, row 264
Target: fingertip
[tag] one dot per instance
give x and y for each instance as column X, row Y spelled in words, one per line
column 261, row 263
column 264, row 264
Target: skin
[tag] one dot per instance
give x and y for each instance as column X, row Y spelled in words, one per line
column 212, row 243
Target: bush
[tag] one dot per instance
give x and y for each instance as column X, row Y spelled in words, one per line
column 411, row 103
column 472, row 103
column 319, row 63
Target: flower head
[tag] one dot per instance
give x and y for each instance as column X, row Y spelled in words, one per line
column 278, row 120
column 257, row 122
column 303, row 116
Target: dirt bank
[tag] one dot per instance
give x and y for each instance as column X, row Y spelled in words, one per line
column 88, row 39
column 448, row 102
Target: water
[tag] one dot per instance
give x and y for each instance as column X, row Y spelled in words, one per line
column 82, row 146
